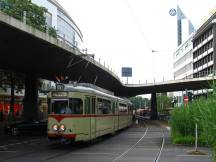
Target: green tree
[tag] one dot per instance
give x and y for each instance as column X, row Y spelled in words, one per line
column 139, row 102
column 163, row 102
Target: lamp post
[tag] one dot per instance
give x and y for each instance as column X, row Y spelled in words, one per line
column 153, row 51
column 154, row 62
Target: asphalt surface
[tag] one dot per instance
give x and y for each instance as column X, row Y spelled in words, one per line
column 140, row 143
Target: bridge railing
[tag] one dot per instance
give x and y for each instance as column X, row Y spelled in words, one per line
column 200, row 74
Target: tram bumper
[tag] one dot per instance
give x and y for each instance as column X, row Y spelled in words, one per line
column 60, row 136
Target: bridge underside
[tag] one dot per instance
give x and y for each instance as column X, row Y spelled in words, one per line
column 23, row 52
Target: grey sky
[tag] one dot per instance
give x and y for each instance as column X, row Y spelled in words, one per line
column 123, row 32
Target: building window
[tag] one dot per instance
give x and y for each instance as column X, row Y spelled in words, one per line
column 48, row 19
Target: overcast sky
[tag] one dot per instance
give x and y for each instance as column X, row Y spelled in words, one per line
column 124, row 32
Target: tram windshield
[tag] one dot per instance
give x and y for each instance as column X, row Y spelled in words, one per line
column 71, row 106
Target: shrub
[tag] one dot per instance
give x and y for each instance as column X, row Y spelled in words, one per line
column 190, row 140
column 52, row 32
column 201, row 111
column 182, row 122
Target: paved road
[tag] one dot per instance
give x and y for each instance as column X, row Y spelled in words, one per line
column 135, row 144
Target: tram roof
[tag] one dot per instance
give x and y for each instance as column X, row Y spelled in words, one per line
column 93, row 90
column 89, row 90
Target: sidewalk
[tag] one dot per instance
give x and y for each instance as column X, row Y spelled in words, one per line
column 179, row 153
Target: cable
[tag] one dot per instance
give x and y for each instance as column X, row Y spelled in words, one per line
column 138, row 25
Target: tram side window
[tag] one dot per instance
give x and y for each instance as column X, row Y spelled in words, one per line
column 87, row 105
column 130, row 110
column 104, row 106
column 123, row 109
column 93, row 105
column 76, row 106
column 113, row 107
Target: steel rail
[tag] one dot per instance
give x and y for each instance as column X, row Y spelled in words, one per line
column 131, row 148
column 162, row 145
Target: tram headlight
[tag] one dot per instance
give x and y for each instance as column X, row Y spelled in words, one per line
column 62, row 127
column 55, row 127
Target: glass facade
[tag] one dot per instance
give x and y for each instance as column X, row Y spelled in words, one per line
column 65, row 31
column 48, row 19
column 58, row 18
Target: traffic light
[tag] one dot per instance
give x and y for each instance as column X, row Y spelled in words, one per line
column 190, row 96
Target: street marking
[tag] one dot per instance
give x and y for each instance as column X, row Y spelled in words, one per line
column 124, row 153
column 162, row 145
column 19, row 143
column 7, row 151
column 153, row 149
column 92, row 153
column 194, row 155
column 2, row 148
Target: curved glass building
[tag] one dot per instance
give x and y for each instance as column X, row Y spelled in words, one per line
column 59, row 19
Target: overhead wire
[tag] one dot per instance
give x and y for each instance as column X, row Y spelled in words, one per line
column 138, row 25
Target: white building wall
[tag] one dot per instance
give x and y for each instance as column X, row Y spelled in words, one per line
column 183, row 53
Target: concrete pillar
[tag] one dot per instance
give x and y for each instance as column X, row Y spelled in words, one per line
column 30, row 101
column 154, row 113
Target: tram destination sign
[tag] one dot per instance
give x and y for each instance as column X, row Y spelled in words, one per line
column 59, row 94
column 126, row 72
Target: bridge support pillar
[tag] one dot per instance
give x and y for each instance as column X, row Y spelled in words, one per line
column 154, row 113
column 30, row 102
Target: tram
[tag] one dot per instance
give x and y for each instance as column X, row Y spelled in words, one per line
column 83, row 113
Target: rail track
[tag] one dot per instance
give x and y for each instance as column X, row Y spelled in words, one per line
column 123, row 155
column 145, row 139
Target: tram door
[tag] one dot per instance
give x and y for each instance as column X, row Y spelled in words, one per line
column 90, row 110
column 116, row 118
column 93, row 119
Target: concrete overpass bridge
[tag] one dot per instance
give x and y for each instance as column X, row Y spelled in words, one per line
column 38, row 55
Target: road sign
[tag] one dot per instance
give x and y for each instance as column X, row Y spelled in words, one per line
column 185, row 98
column 126, row 72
